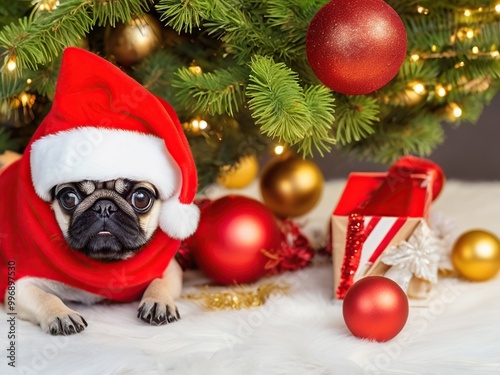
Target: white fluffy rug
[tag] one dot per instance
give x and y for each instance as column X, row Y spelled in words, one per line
column 302, row 332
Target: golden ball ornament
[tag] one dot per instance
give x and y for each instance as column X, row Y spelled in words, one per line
column 291, row 186
column 131, row 42
column 239, row 175
column 476, row 255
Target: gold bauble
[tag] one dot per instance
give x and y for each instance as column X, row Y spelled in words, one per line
column 291, row 186
column 131, row 42
column 239, row 175
column 476, row 255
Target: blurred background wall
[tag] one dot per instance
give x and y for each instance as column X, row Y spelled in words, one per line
column 470, row 151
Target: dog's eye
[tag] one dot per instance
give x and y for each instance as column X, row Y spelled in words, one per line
column 68, row 199
column 141, row 200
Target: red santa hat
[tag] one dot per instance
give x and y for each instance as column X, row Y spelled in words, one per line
column 103, row 125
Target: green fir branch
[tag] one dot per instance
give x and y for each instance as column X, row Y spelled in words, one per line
column 285, row 111
column 319, row 100
column 37, row 40
column 426, row 31
column 10, row 87
column 414, row 71
column 182, row 15
column 419, row 135
column 355, row 118
column 111, row 12
column 277, row 100
column 44, row 79
column 157, row 73
column 217, row 93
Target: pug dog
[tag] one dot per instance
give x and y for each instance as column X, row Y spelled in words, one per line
column 108, row 221
column 96, row 206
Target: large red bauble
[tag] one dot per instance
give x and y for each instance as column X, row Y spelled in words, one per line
column 356, row 46
column 375, row 308
column 228, row 243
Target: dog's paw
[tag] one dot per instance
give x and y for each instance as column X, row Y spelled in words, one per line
column 157, row 313
column 67, row 324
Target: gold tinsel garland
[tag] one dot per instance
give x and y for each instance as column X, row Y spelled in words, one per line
column 236, row 298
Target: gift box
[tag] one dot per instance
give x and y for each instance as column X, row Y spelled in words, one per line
column 376, row 213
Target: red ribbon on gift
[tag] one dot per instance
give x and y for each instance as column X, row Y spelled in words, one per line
column 392, row 197
column 354, row 245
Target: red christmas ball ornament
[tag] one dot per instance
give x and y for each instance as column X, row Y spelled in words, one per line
column 375, row 308
column 232, row 233
column 356, row 46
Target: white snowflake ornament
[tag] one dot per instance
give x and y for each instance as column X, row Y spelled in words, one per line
column 418, row 256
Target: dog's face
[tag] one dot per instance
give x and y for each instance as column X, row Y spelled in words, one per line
column 109, row 220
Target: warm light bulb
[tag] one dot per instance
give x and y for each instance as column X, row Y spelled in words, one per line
column 196, row 70
column 414, row 57
column 203, row 124
column 434, row 48
column 497, row 8
column 278, row 150
column 46, row 5
column 467, row 13
column 470, row 34
column 422, row 10
column 24, row 99
column 495, row 54
column 11, row 65
column 456, row 110
column 28, row 81
column 475, row 50
column 461, row 64
column 195, row 126
column 418, row 88
column 440, row 91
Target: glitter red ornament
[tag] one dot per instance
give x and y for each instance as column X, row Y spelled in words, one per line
column 375, row 308
column 232, row 233
column 356, row 46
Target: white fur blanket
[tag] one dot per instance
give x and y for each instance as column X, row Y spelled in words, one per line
column 302, row 332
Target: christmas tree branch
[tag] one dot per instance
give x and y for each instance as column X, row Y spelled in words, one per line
column 278, row 104
column 214, row 93
column 182, row 15
column 38, row 39
column 320, row 102
column 355, row 118
column 157, row 73
column 419, row 134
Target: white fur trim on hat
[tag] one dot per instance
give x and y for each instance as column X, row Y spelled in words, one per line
column 92, row 153
column 179, row 220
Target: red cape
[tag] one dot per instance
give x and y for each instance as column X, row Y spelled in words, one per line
column 31, row 237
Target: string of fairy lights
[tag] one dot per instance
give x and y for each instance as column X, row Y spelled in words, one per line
column 463, row 33
column 416, row 91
